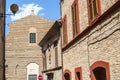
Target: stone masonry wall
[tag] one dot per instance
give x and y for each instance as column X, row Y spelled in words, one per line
column 19, row 52
column 101, row 44
column 83, row 13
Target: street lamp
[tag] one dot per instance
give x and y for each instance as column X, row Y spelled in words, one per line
column 14, row 8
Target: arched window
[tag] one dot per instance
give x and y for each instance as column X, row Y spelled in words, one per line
column 67, row 75
column 100, row 71
column 78, row 73
column 32, row 71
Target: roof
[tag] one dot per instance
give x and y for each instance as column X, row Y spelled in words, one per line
column 52, row 34
column 31, row 17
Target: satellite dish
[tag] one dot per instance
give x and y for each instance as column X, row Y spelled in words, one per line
column 14, row 8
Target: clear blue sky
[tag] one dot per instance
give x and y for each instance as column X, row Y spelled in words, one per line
column 49, row 9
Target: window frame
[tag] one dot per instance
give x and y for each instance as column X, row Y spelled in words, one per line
column 30, row 37
column 75, row 18
column 67, row 71
column 91, row 12
column 100, row 64
column 78, row 69
column 56, row 53
column 61, row 0
column 65, row 34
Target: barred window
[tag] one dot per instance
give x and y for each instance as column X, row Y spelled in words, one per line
column 32, row 37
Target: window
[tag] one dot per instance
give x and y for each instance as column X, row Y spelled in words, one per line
column 32, row 71
column 75, row 18
column 61, row 0
column 44, row 62
column 94, row 9
column 50, row 76
column 65, row 40
column 32, row 77
column 56, row 53
column 32, row 37
column 67, row 75
column 100, row 71
column 78, row 73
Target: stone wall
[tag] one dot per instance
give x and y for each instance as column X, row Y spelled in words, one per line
column 83, row 13
column 101, row 44
column 19, row 52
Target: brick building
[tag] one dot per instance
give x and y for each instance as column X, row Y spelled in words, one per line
column 91, row 39
column 51, row 49
column 23, row 54
column 2, row 55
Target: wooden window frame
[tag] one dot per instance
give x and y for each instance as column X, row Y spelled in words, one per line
column 100, row 64
column 44, row 62
column 67, row 71
column 78, row 69
column 75, row 18
column 56, row 53
column 31, row 37
column 65, row 34
column 91, row 11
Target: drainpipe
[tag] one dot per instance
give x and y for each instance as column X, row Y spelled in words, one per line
column 61, row 50
column 88, row 54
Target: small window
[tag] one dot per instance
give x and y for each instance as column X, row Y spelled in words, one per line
column 78, row 73
column 32, row 37
column 100, row 71
column 94, row 9
column 67, row 75
column 56, row 53
column 75, row 18
column 56, row 56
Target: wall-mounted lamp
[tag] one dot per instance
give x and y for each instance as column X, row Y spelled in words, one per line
column 14, row 8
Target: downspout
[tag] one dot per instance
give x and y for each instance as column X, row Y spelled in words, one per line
column 61, row 39
column 61, row 51
column 88, row 57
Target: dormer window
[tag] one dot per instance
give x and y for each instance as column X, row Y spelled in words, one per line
column 32, row 37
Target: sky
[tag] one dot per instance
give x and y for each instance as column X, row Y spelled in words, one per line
column 49, row 9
